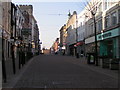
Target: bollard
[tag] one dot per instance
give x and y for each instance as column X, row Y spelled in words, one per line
column 114, row 64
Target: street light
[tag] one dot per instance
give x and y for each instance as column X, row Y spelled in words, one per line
column 93, row 13
column 96, row 52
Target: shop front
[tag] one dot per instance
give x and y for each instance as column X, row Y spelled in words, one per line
column 80, row 48
column 72, row 49
column 109, row 43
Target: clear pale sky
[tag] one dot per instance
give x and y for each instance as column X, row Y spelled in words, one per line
column 49, row 20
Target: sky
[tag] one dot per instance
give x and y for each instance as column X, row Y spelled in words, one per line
column 51, row 16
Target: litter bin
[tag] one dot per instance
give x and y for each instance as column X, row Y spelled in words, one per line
column 105, row 62
column 90, row 58
column 114, row 64
column 100, row 58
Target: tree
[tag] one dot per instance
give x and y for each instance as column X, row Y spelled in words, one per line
column 92, row 7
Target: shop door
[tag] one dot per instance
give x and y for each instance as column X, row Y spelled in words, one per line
column 110, row 48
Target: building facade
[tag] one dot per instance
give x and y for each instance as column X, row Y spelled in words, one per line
column 30, row 31
column 6, row 27
column 20, row 19
column 110, row 34
column 71, row 34
column 107, row 27
column 63, row 35
column 16, row 36
column 81, row 34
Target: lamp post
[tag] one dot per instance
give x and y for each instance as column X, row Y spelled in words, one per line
column 94, row 21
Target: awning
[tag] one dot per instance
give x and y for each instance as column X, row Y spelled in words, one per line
column 79, row 43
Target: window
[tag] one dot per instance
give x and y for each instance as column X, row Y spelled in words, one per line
column 89, row 29
column 113, row 18
column 108, row 3
column 107, row 21
column 99, row 24
column 105, row 3
column 100, row 8
column 119, row 15
column 92, row 29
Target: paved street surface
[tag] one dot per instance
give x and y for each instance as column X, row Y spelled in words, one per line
column 55, row 71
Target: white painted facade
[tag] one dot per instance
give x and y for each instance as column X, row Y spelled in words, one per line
column 71, row 29
column 102, row 8
column 71, row 39
column 81, row 26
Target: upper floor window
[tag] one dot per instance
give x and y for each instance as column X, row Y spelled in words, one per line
column 92, row 29
column 105, row 4
column 107, row 21
column 100, row 8
column 119, row 15
column 99, row 25
column 114, row 18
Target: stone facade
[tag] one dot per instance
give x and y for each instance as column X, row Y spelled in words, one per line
column 30, row 31
column 6, row 27
column 71, row 34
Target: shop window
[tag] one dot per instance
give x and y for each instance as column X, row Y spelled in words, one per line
column 113, row 18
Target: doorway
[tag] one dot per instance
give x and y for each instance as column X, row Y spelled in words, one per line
column 110, row 48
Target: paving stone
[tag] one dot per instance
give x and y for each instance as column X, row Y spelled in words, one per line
column 55, row 71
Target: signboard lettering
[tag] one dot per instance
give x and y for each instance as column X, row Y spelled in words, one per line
column 105, row 35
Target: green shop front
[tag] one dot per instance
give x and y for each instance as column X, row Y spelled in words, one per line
column 109, row 43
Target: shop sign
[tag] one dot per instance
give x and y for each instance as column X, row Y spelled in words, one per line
column 90, row 40
column 109, row 34
column 105, row 35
